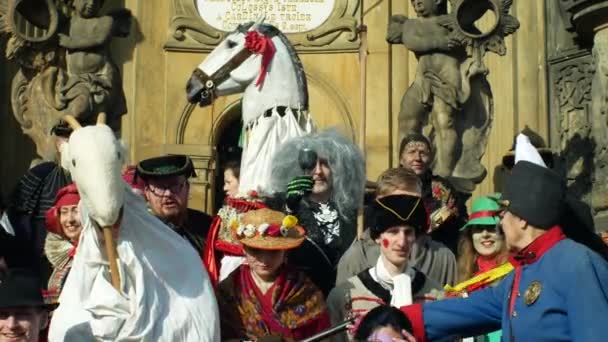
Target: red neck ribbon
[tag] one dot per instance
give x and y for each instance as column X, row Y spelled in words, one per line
column 260, row 44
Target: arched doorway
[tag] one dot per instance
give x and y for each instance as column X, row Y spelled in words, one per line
column 226, row 137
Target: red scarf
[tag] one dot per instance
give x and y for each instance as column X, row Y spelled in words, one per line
column 292, row 307
column 484, row 264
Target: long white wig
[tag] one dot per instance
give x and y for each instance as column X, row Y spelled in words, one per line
column 345, row 161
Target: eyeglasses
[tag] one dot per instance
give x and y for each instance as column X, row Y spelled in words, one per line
column 161, row 190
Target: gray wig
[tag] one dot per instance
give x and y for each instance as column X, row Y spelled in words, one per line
column 345, row 161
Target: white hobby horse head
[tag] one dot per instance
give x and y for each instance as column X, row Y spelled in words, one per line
column 94, row 158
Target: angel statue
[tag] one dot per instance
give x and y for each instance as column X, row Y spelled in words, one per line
column 93, row 84
column 63, row 49
column 450, row 100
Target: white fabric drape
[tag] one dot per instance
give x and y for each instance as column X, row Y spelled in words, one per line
column 400, row 286
column 166, row 293
column 265, row 135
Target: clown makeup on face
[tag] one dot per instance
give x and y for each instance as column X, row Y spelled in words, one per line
column 486, row 241
column 69, row 219
column 396, row 245
column 264, row 263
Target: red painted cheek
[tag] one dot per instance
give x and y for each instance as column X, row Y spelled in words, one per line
column 385, row 243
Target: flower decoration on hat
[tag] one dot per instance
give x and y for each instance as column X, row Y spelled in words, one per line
column 267, row 229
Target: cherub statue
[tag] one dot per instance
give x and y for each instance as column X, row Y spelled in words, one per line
column 93, row 82
column 450, row 99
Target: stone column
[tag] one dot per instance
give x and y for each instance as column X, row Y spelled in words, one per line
column 580, row 81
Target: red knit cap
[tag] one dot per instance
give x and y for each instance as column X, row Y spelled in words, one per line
column 67, row 195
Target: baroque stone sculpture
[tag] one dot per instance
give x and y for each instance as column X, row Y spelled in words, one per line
column 450, row 99
column 62, row 48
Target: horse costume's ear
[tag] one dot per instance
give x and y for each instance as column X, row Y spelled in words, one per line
column 101, row 119
column 258, row 22
column 72, row 122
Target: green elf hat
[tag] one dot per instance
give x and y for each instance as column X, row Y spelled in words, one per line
column 484, row 211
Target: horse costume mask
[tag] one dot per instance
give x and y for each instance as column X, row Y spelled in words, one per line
column 155, row 299
column 258, row 60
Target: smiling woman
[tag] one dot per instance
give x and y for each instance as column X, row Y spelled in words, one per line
column 64, row 226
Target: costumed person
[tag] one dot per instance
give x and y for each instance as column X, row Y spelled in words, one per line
column 323, row 175
column 430, row 257
column 33, row 196
column 133, row 277
column 482, row 254
column 384, row 323
column 167, row 190
column 448, row 212
column 266, row 296
column 23, row 312
column 64, row 226
column 558, row 290
column 274, row 110
column 395, row 222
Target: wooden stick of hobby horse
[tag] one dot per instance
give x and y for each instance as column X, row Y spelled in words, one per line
column 108, row 236
column 363, row 120
column 112, row 256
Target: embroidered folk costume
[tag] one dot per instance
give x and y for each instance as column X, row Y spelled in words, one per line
column 58, row 248
column 376, row 286
column 558, row 290
column 291, row 307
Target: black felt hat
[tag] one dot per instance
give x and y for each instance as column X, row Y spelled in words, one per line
column 535, row 194
column 165, row 166
column 397, row 210
column 21, row 287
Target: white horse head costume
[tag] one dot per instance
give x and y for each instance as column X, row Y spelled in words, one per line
column 165, row 293
column 258, row 60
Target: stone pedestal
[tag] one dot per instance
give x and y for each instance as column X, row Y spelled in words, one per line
column 578, row 74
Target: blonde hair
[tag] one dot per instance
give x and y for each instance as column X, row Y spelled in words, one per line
column 398, row 178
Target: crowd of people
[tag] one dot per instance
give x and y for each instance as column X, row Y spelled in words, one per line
column 405, row 262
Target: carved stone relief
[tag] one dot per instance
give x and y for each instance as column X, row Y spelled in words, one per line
column 189, row 32
column 579, row 98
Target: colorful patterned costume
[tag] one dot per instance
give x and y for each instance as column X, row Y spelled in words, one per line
column 292, row 308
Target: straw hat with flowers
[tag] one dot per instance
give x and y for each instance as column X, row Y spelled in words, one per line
column 267, row 229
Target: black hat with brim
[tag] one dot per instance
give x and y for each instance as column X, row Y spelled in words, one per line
column 20, row 287
column 535, row 194
column 397, row 210
column 165, row 166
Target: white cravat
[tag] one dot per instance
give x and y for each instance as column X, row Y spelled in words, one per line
column 400, row 286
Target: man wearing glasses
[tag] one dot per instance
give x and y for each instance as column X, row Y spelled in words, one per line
column 167, row 190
